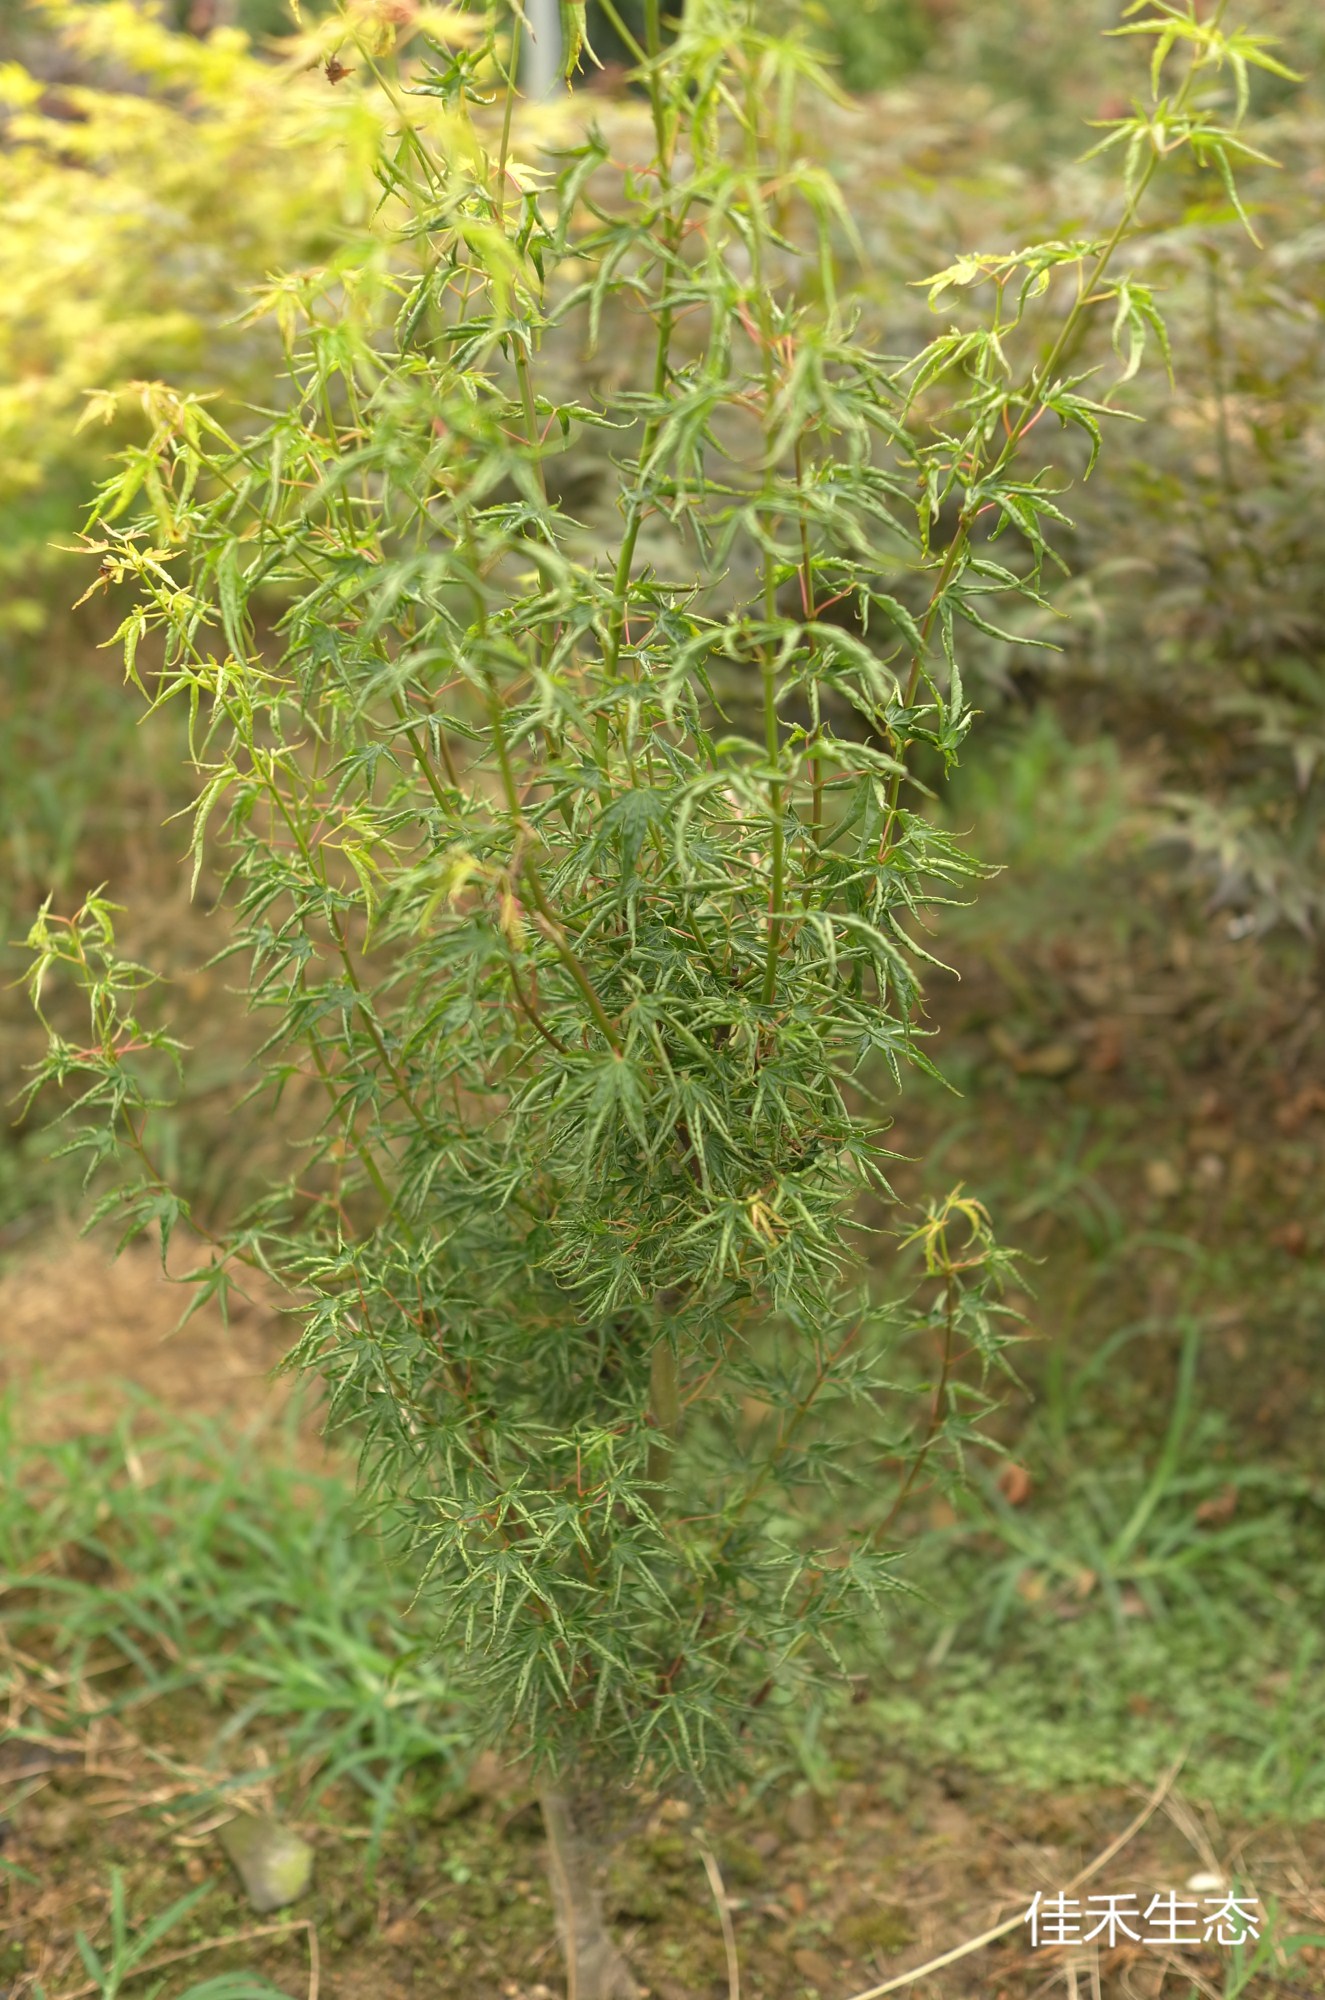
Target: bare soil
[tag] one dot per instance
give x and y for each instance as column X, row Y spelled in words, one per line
column 85, row 1332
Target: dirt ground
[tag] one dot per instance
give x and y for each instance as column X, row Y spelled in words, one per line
column 825, row 1899
column 84, row 1330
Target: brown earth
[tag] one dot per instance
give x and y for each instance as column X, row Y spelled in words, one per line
column 84, row 1331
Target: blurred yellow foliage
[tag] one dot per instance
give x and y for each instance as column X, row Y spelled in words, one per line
column 142, row 209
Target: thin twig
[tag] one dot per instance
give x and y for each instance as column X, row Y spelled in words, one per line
column 1014, row 1923
column 219, row 1944
column 714, row 1874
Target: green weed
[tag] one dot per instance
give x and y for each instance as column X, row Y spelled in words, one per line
column 1255, row 1958
column 1139, row 1600
column 132, row 1948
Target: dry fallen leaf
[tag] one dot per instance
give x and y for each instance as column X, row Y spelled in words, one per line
column 820, row 1971
column 1014, row 1483
column 1219, row 1508
column 1293, row 1115
column 1107, row 1053
column 1094, row 989
column 1051, row 1059
column 1004, row 1044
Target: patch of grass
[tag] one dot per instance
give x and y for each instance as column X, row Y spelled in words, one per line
column 1055, row 814
column 163, row 1560
column 1140, row 1600
column 133, row 1949
column 1086, row 1706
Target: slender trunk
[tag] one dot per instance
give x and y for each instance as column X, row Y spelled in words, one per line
column 541, row 62
column 595, row 1969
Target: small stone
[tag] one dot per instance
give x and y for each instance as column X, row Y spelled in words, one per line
column 274, row 1864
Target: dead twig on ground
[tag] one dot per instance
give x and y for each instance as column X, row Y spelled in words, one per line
column 716, row 1884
